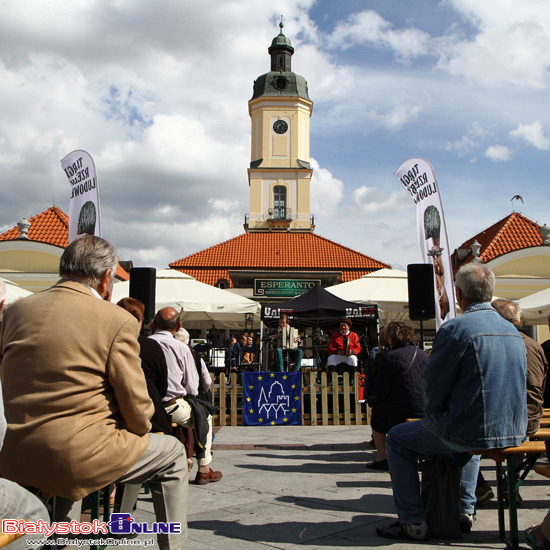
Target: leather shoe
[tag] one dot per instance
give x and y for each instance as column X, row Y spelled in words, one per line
column 208, row 477
column 381, row 465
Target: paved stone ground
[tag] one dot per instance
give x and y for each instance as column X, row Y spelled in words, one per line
column 301, row 486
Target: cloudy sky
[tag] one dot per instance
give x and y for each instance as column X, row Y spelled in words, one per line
column 157, row 92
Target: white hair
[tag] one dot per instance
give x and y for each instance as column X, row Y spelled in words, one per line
column 182, row 335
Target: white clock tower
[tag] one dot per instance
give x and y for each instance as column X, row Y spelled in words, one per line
column 279, row 175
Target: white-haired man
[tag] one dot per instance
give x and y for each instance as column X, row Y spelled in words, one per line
column 474, row 388
column 75, row 396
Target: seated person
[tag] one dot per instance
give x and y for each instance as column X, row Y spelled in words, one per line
column 288, row 340
column 72, row 358
column 15, row 501
column 343, row 348
column 397, row 386
column 204, row 376
column 233, row 357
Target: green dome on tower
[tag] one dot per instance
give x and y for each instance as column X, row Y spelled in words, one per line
column 280, row 81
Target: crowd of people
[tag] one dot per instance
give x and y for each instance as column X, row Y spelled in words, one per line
column 86, row 400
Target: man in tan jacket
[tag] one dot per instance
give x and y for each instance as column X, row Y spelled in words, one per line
column 75, row 396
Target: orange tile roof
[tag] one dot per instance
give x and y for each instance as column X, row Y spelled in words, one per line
column 513, row 232
column 276, row 251
column 51, row 227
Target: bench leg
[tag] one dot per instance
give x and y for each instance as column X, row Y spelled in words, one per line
column 501, row 476
column 512, row 501
column 95, row 506
column 513, row 475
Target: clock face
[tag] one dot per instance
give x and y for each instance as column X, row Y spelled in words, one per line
column 280, row 126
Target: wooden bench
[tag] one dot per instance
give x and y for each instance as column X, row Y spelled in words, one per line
column 542, row 433
column 512, row 474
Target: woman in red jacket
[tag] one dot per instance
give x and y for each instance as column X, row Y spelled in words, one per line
column 344, row 347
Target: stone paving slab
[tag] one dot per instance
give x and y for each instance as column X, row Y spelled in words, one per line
column 296, row 487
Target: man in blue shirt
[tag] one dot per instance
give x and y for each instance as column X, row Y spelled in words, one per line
column 475, row 395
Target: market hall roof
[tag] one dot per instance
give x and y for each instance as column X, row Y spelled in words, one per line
column 276, row 252
column 50, row 227
column 514, row 232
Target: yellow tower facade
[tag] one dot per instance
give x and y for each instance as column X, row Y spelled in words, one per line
column 279, row 175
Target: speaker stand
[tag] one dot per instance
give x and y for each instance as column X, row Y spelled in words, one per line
column 421, row 335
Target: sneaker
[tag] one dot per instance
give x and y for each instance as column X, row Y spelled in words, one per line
column 484, row 493
column 208, row 477
column 398, row 530
column 467, row 522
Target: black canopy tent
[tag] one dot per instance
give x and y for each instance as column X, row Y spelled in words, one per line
column 320, row 308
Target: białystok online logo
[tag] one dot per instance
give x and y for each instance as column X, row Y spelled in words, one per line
column 125, row 524
column 119, row 524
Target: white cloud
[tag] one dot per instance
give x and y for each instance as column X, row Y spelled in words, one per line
column 498, row 153
column 371, row 200
column 511, row 45
column 402, row 112
column 475, row 135
column 326, row 190
column 369, row 27
column 533, row 134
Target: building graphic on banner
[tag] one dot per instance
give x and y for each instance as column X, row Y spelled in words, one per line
column 275, row 403
column 272, row 398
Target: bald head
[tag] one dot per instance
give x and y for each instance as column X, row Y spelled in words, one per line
column 168, row 319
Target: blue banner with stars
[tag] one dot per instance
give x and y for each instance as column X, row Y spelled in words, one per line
column 272, row 398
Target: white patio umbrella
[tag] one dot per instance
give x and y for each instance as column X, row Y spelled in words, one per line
column 536, row 307
column 385, row 287
column 200, row 305
column 14, row 292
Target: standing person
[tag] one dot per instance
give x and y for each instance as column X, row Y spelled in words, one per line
column 72, row 358
column 242, row 354
column 344, row 347
column 181, row 401
column 288, row 340
column 233, row 354
column 397, row 386
column 474, row 388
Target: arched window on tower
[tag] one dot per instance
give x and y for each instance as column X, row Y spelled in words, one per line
column 279, row 202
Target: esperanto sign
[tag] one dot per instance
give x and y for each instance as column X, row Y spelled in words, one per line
column 270, row 288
